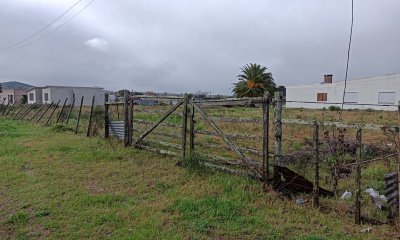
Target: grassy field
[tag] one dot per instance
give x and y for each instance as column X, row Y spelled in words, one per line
column 58, row 185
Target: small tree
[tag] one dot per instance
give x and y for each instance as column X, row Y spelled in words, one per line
column 254, row 80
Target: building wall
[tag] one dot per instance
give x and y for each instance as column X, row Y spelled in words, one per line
column 37, row 96
column 61, row 93
column 4, row 96
column 367, row 89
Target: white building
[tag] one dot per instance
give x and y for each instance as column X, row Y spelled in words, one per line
column 48, row 94
column 380, row 93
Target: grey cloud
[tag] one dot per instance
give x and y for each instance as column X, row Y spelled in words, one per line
column 184, row 46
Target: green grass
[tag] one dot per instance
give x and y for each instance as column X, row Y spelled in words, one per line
column 58, row 185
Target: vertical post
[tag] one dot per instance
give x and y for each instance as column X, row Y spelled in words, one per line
column 398, row 163
column 38, row 111
column 62, row 110
column 358, row 177
column 184, row 124
column 131, row 108
column 90, row 118
column 71, row 108
column 51, row 115
column 126, row 118
column 278, row 135
column 316, row 165
column 191, row 123
column 79, row 116
column 265, row 154
column 106, row 117
column 45, row 111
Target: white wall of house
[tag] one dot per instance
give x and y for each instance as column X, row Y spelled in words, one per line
column 34, row 96
column 56, row 94
column 383, row 90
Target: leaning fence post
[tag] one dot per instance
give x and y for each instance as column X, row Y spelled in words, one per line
column 11, row 108
column 17, row 110
column 278, row 135
column 265, row 107
column 79, row 116
column 27, row 112
column 184, row 125
column 51, row 115
column 71, row 108
column 316, row 165
column 37, row 112
column 90, row 118
column 4, row 111
column 191, row 123
column 358, row 177
column 45, row 111
column 62, row 110
column 106, row 117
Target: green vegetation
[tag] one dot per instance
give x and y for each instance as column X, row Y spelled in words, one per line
column 59, row 185
column 254, row 80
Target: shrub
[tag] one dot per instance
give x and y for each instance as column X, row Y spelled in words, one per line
column 334, row 108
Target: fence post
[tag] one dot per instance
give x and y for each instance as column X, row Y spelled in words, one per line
column 11, row 108
column 28, row 111
column 90, row 118
column 316, row 165
column 191, row 123
column 4, row 111
column 278, row 135
column 45, row 111
column 17, row 110
column 79, row 116
column 358, row 177
column 71, row 108
column 398, row 165
column 126, row 118
column 184, row 125
column 106, row 117
column 265, row 107
column 51, row 115
column 38, row 111
column 131, row 109
column 62, row 110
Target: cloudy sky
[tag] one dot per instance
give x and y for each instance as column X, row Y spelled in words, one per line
column 185, row 46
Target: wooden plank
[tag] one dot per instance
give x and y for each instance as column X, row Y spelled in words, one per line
column 184, row 125
column 230, row 136
column 316, row 165
column 158, row 122
column 227, row 141
column 161, row 124
column 265, row 151
column 90, row 117
column 278, row 135
column 79, row 116
column 159, row 151
column 219, row 146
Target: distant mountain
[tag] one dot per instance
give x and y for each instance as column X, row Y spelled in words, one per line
column 15, row 85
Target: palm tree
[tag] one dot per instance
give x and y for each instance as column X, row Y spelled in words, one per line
column 254, row 80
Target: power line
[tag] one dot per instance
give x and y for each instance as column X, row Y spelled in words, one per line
column 348, row 56
column 51, row 32
column 40, row 30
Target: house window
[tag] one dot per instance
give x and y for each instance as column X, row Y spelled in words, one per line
column 351, row 97
column 386, row 98
column 11, row 99
column 31, row 97
column 46, row 96
column 322, row 97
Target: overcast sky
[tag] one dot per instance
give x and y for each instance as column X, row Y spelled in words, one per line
column 185, row 46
